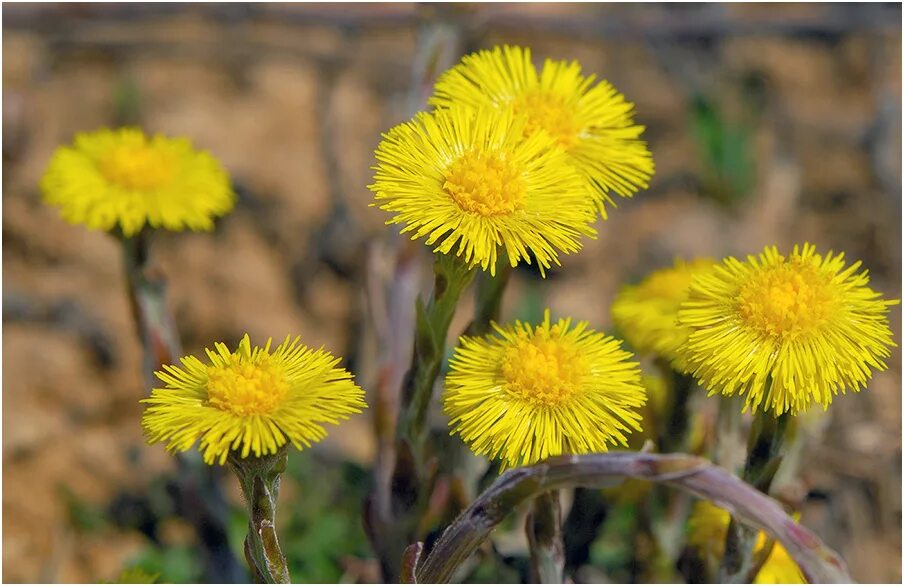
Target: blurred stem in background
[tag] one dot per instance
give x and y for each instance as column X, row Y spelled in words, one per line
column 728, row 446
column 147, row 296
column 764, row 456
column 724, row 145
column 589, row 510
column 676, row 420
column 200, row 499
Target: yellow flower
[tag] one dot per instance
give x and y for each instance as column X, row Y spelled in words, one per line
column 647, row 313
column 526, row 393
column 250, row 401
column 785, row 331
column 470, row 180
column 593, row 123
column 707, row 527
column 125, row 178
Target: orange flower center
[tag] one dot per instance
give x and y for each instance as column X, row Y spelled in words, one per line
column 550, row 112
column 543, row 369
column 786, row 300
column 244, row 388
column 136, row 167
column 485, row 184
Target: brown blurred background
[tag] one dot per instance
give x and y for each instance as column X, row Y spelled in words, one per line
column 768, row 124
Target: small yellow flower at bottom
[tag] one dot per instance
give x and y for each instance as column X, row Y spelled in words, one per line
column 707, row 527
column 786, row 332
column 124, row 178
column 250, row 401
column 529, row 392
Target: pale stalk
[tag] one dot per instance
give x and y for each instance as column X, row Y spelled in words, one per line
column 544, row 537
column 818, row 563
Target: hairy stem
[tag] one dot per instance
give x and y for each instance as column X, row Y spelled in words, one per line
column 432, row 328
column 764, row 455
column 260, row 478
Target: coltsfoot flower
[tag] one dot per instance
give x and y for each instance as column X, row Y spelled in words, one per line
column 250, row 401
column 707, row 527
column 647, row 313
column 470, row 181
column 592, row 122
column 785, row 331
column 127, row 179
column 525, row 393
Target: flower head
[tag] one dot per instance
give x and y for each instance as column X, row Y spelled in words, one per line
column 592, row 122
column 470, row 180
column 785, row 331
column 250, row 400
column 647, row 313
column 526, row 393
column 707, row 527
column 128, row 179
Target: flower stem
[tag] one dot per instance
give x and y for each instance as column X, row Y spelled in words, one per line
column 432, row 328
column 728, row 449
column 764, row 455
column 259, row 479
column 411, row 479
column 147, row 296
column 544, row 535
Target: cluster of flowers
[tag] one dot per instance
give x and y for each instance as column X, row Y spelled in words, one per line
column 522, row 162
column 511, row 161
